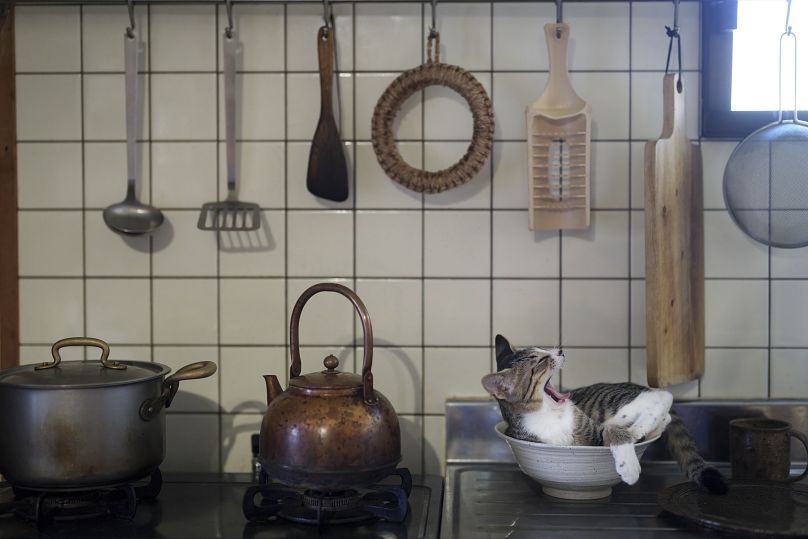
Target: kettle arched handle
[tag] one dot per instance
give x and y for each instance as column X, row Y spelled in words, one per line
column 294, row 341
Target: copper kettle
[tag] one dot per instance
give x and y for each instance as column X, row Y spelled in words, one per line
column 329, row 429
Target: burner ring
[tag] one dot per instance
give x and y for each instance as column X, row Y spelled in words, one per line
column 337, row 501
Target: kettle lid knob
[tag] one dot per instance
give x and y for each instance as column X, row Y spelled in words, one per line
column 331, row 362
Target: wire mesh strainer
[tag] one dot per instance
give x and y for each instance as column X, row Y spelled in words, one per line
column 766, row 177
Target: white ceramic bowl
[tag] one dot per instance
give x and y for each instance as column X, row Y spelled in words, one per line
column 573, row 472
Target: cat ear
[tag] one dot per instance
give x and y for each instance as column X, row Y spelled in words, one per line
column 496, row 384
column 504, row 351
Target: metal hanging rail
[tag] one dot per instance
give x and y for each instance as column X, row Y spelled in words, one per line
column 253, row 2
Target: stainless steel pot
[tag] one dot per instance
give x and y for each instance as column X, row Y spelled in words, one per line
column 80, row 424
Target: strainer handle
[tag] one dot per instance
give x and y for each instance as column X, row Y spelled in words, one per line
column 787, row 33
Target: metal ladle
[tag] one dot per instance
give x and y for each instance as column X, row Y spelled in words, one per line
column 131, row 216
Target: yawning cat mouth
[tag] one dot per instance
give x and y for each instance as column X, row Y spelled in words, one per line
column 554, row 394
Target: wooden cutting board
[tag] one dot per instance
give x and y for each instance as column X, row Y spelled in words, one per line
column 674, row 248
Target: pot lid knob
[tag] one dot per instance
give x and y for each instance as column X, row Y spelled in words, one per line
column 331, row 363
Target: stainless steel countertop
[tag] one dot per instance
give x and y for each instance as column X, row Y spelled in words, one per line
column 488, row 497
column 489, row 501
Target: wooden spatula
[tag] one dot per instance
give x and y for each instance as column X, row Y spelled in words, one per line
column 558, row 132
column 328, row 174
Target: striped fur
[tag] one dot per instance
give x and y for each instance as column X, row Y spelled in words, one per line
column 615, row 415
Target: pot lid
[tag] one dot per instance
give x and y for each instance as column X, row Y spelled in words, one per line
column 327, row 379
column 81, row 374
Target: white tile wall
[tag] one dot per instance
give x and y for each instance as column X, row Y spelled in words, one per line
column 440, row 274
column 101, row 37
column 201, row 395
column 105, row 174
column 49, row 107
column 49, row 175
column 592, row 365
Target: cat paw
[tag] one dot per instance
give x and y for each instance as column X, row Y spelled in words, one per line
column 629, row 471
column 626, row 463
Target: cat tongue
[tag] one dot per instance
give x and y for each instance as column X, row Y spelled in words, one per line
column 558, row 397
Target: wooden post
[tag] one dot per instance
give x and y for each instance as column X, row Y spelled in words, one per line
column 9, row 276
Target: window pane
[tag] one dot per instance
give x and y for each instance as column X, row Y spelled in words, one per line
column 755, row 47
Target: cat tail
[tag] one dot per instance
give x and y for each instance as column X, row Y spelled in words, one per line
column 683, row 449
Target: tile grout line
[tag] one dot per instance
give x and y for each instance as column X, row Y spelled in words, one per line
column 83, row 180
column 491, row 329
column 286, row 310
column 313, row 72
column 352, row 72
column 259, row 277
column 407, row 209
column 146, row 344
column 422, row 95
column 630, row 178
column 151, row 183
column 218, row 238
column 305, row 141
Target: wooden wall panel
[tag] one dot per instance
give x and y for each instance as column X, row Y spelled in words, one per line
column 9, row 282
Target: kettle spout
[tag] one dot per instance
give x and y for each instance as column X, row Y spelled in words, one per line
column 273, row 387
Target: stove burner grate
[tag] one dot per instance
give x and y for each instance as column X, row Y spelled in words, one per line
column 386, row 502
column 45, row 507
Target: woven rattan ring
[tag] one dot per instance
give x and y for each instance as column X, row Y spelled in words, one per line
column 432, row 73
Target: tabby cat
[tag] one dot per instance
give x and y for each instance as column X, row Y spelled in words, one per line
column 614, row 415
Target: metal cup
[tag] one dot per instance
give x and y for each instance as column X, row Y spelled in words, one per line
column 759, row 448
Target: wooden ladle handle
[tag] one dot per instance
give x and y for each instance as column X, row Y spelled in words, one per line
column 294, row 333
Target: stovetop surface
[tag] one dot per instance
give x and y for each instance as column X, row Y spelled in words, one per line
column 207, row 506
column 492, row 501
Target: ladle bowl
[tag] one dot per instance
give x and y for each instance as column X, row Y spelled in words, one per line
column 132, row 217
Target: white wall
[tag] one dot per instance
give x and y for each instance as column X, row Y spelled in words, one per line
column 440, row 274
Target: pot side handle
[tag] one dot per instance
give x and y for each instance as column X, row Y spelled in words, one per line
column 151, row 407
column 294, row 341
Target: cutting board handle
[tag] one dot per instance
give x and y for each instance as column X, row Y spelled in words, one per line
column 673, row 107
column 559, row 93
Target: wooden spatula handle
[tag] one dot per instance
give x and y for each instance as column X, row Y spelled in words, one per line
column 325, row 55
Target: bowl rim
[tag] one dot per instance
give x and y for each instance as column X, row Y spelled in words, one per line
column 502, row 425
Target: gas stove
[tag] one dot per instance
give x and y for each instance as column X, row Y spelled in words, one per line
column 347, row 506
column 203, row 506
column 46, row 508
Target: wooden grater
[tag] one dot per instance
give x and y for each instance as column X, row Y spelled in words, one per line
column 558, row 133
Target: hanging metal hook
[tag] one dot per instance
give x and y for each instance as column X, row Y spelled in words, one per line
column 433, row 29
column 328, row 13
column 673, row 33
column 229, row 8
column 130, row 30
